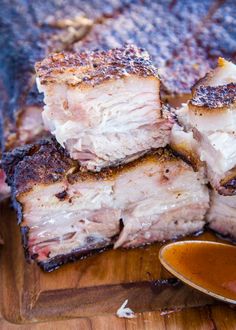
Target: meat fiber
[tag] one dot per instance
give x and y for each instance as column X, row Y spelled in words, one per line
column 211, row 116
column 65, row 213
column 222, row 215
column 103, row 107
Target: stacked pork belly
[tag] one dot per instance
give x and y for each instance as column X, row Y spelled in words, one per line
column 105, row 178
column 209, row 136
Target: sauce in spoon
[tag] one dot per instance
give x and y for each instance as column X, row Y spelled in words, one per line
column 207, row 266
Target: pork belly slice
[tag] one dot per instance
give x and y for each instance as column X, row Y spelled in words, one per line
column 103, row 107
column 185, row 145
column 182, row 141
column 169, row 203
column 222, row 215
column 65, row 212
column 62, row 215
column 211, row 116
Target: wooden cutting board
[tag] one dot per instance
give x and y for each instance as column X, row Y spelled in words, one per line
column 91, row 287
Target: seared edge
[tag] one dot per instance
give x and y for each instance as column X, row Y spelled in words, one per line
column 56, row 262
column 43, row 162
column 95, row 67
column 214, row 97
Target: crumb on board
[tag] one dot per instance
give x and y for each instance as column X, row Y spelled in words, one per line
column 125, row 311
column 170, row 311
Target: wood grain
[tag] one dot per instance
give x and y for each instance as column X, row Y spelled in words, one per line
column 91, row 287
column 219, row 317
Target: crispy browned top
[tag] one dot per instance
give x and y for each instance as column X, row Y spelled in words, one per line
column 213, row 97
column 92, row 68
column 47, row 162
column 44, row 162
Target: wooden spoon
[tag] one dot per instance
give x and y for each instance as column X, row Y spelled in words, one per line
column 209, row 267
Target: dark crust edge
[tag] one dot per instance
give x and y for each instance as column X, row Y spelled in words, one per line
column 14, row 161
column 62, row 259
column 213, row 97
column 203, row 81
column 47, row 162
column 42, row 162
column 11, row 159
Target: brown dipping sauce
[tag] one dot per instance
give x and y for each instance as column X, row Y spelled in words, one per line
column 209, row 265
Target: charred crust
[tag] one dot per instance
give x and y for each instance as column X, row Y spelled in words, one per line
column 62, row 195
column 93, row 68
column 24, row 240
column 18, row 207
column 44, row 162
column 56, row 262
column 214, row 97
column 11, row 159
column 204, row 81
